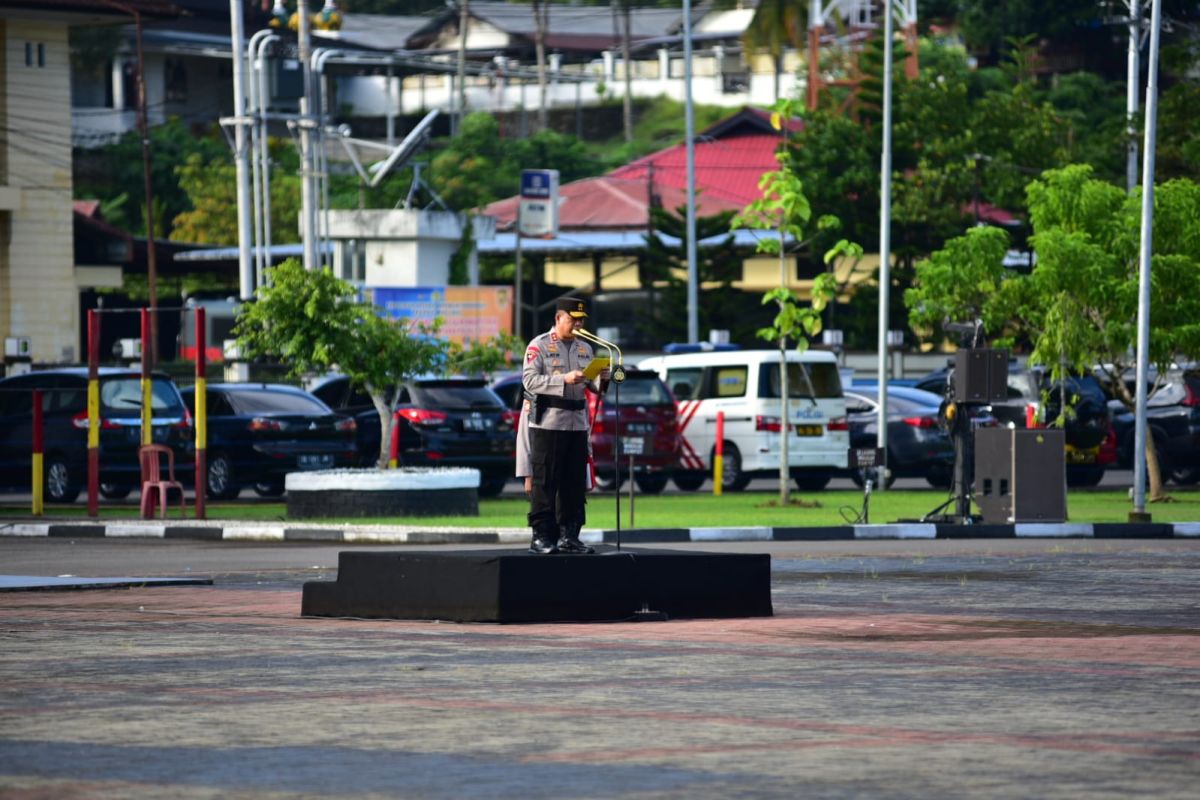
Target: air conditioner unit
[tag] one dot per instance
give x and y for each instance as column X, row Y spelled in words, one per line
column 18, row 347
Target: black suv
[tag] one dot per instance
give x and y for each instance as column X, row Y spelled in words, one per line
column 64, row 404
column 1088, row 424
column 447, row 422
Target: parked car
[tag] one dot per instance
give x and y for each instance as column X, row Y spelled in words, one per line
column 1173, row 419
column 917, row 446
column 1088, row 424
column 259, row 432
column 745, row 387
column 65, row 421
column 448, row 422
column 336, row 392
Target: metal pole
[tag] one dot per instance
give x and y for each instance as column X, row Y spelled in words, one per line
column 241, row 152
column 307, row 190
column 201, row 478
column 518, row 307
column 693, row 287
column 1143, row 317
column 151, row 254
column 264, row 155
column 147, row 421
column 885, row 238
column 463, row 20
column 93, row 411
column 39, row 447
column 254, row 110
column 1132, row 81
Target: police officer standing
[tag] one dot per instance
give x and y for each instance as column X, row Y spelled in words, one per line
column 558, row 431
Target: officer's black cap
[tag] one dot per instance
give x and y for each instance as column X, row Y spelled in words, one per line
column 572, row 305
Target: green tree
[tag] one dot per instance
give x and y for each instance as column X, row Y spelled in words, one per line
column 785, row 209
column 211, row 188
column 116, row 170
column 311, row 322
column 478, row 166
column 1078, row 306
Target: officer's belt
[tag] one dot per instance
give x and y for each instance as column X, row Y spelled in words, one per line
column 550, row 401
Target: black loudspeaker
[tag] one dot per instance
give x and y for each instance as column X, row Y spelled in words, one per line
column 1021, row 475
column 980, row 375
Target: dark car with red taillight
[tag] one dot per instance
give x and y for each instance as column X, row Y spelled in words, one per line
column 259, row 432
column 448, row 422
column 641, row 413
column 65, row 429
column 916, row 446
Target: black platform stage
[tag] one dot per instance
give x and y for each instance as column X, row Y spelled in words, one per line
column 515, row 586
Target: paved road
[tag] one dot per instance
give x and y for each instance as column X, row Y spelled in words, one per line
column 891, row 669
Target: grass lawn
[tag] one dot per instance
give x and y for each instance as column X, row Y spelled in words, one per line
column 745, row 509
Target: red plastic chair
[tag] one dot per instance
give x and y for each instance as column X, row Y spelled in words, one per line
column 154, row 488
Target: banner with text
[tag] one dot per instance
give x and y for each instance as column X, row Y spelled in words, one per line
column 469, row 313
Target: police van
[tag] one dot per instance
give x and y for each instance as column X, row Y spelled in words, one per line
column 745, row 385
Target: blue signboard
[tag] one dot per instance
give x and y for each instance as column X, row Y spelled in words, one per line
column 538, row 183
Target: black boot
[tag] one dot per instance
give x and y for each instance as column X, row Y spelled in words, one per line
column 568, row 540
column 543, row 540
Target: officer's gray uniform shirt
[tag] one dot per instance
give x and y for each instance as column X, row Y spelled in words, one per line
column 547, row 359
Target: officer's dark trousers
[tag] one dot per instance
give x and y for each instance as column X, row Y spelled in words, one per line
column 559, row 462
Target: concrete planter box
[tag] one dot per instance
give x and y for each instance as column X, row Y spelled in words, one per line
column 405, row 492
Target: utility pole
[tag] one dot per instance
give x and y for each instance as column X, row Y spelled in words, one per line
column 241, row 153
column 1132, row 81
column 463, row 18
column 151, row 254
column 308, row 212
column 693, row 287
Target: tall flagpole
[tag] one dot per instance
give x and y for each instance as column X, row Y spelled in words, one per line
column 885, row 231
column 1143, row 317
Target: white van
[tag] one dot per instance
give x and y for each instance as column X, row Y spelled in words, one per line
column 745, row 385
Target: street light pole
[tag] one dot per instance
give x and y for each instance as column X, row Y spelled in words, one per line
column 693, row 287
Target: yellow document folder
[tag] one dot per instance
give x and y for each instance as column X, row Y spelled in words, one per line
column 594, row 366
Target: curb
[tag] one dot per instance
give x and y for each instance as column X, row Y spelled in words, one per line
column 424, row 536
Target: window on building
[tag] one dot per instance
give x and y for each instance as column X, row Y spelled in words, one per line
column 175, row 81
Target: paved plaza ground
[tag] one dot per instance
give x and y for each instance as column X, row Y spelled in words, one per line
column 1031, row 668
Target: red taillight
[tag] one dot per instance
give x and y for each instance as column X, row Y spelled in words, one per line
column 186, row 422
column 432, row 456
column 1107, row 454
column 509, row 420
column 422, row 416
column 1190, row 397
column 920, row 422
column 80, row 421
column 839, row 424
column 264, row 424
column 767, row 424
column 346, row 425
column 598, row 425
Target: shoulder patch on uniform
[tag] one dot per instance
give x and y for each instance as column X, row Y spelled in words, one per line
column 531, row 353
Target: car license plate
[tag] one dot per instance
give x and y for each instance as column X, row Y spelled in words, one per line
column 633, row 446
column 1077, row 456
column 477, row 424
column 809, row 430
column 319, row 461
